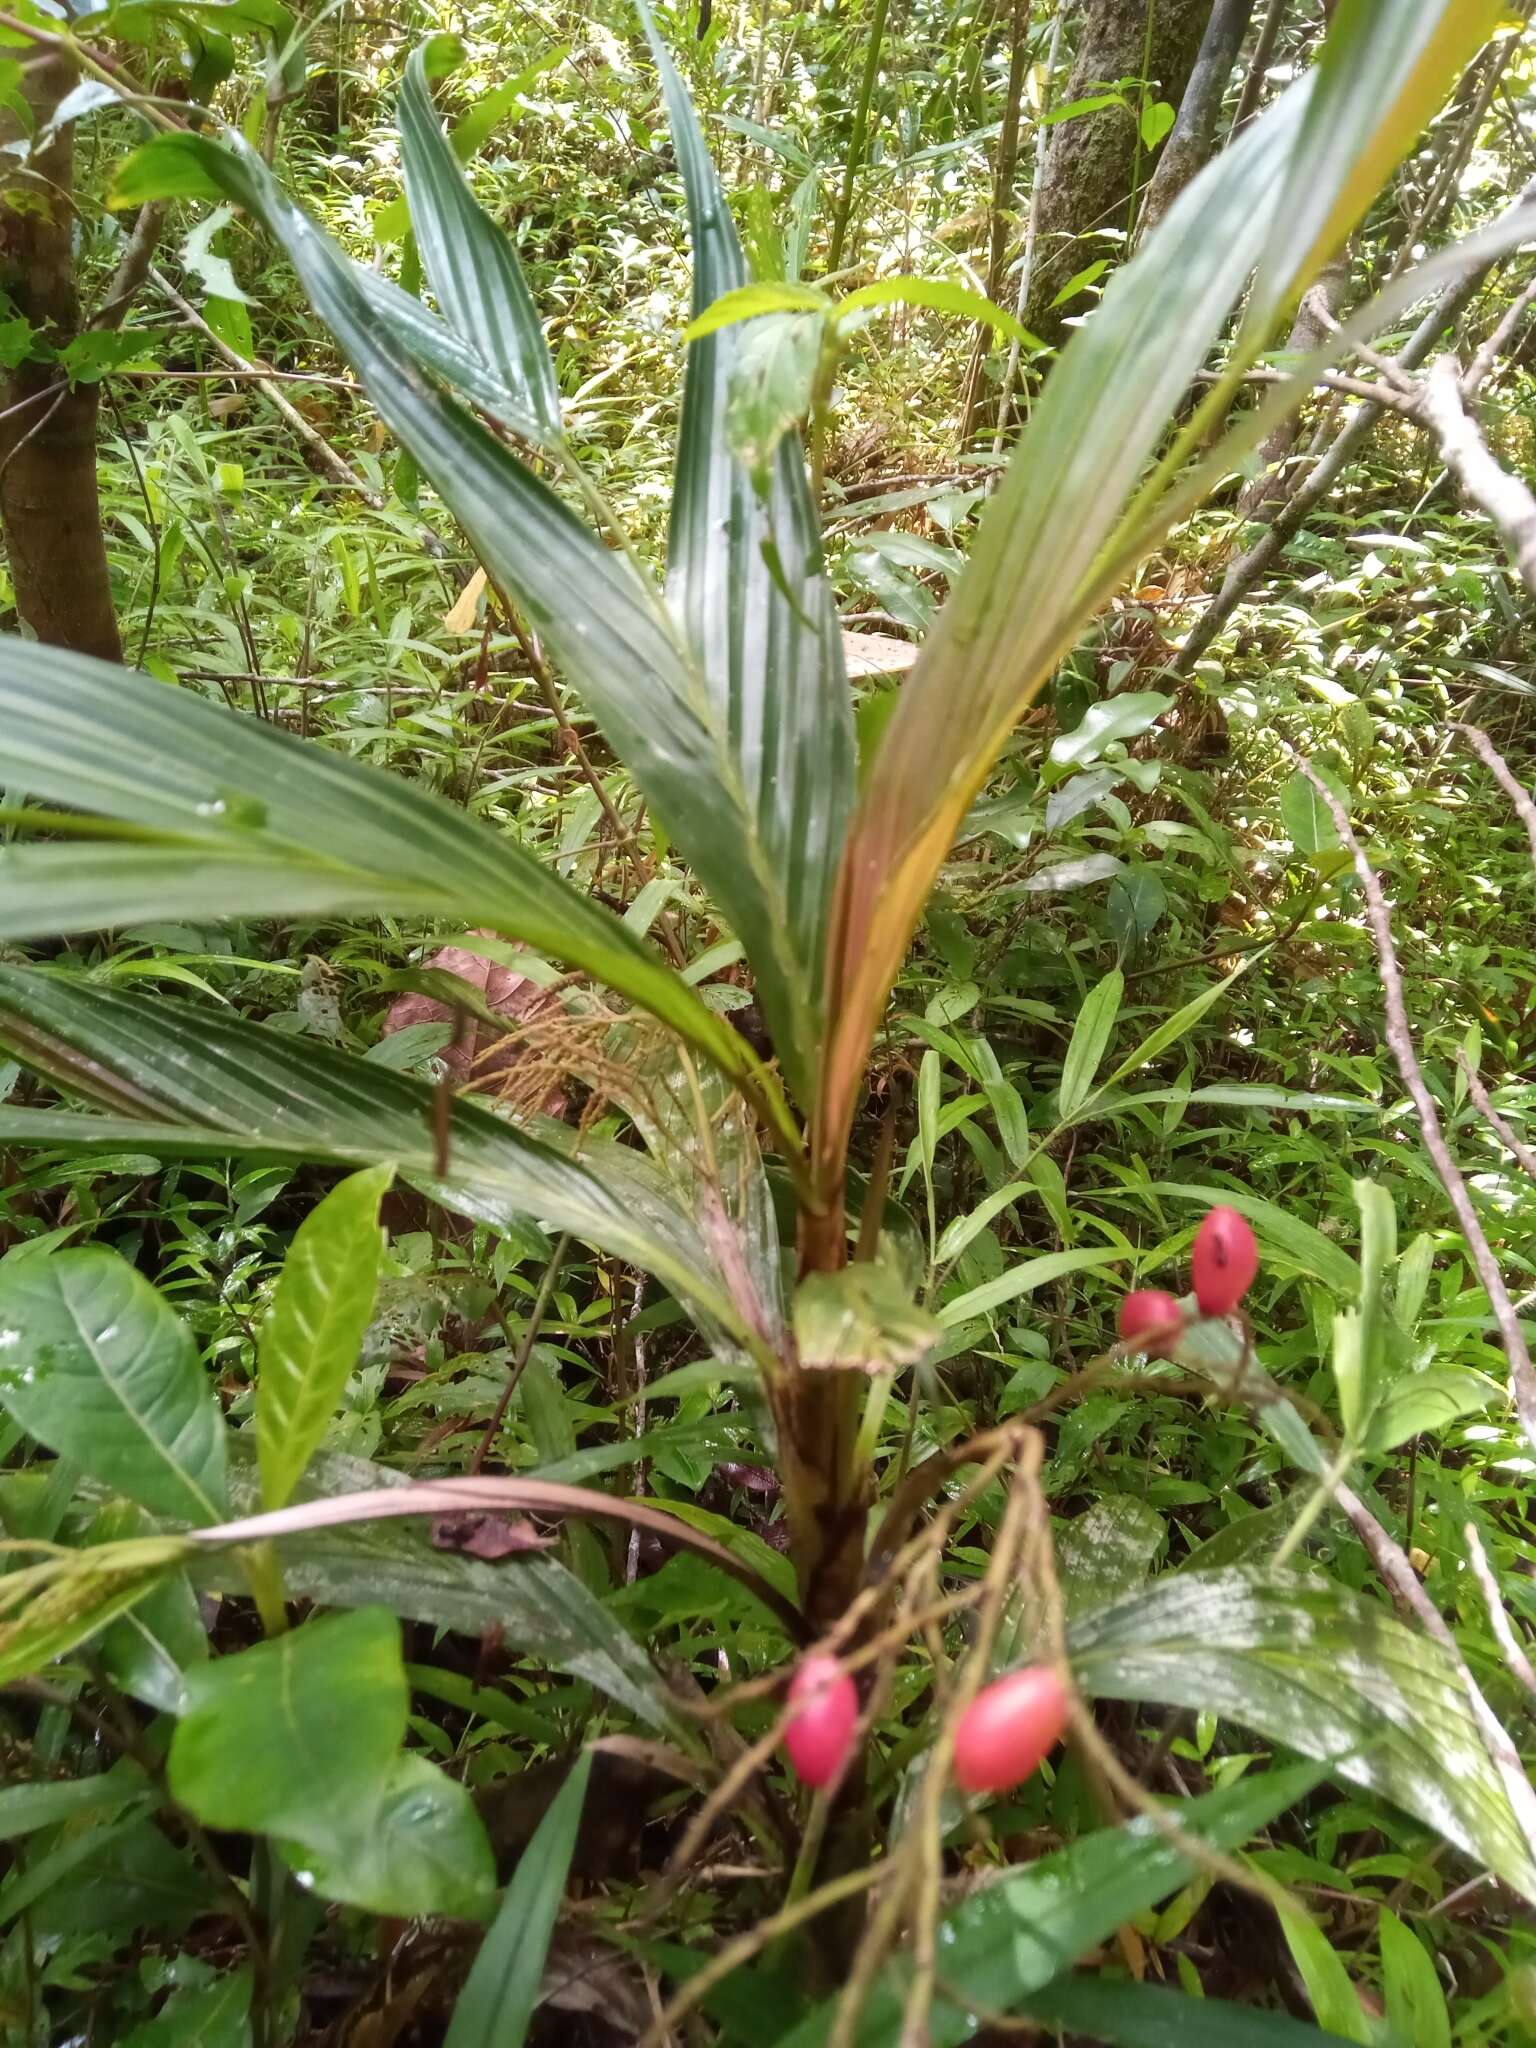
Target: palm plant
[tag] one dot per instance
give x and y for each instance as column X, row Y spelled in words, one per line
column 723, row 694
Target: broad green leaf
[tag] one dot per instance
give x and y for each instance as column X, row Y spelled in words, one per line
column 147, row 1650
column 1304, row 1246
column 299, row 1737
column 97, row 1366
column 292, row 1735
column 496, row 2004
column 470, row 264
column 1426, row 1402
column 754, row 714
column 233, row 803
column 1108, row 1549
column 945, row 296
column 745, row 584
column 204, row 1082
column 1090, row 1035
column 320, row 1312
column 1334, row 1998
column 1325, row 1672
column 1018, row 1933
column 416, row 1848
column 1125, row 717
column 24, row 1808
column 750, row 301
column 1306, row 818
column 1415, row 1999
column 1157, row 117
column 1123, row 2014
column 1024, row 1279
column 772, row 384
column 1057, row 535
column 215, row 2015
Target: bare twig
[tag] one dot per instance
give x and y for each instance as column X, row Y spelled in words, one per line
column 1245, row 571
column 1400, row 1039
column 1506, row 499
column 1481, row 366
column 132, row 266
column 1482, row 1571
column 1507, row 1136
column 1504, row 775
column 519, row 1364
column 334, row 465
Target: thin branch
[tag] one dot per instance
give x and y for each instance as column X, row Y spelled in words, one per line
column 519, row 1364
column 1481, row 366
column 1504, row 775
column 1514, row 1655
column 1400, row 1039
column 1506, row 499
column 1245, row 571
column 1505, row 1132
column 132, row 266
column 334, row 465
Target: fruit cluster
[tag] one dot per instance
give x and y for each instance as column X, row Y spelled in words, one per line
column 1224, row 1261
column 1005, row 1732
column 1014, row 1723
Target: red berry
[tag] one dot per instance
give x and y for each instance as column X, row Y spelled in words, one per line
column 1150, row 1308
column 1225, row 1259
column 1008, row 1728
column 820, row 1733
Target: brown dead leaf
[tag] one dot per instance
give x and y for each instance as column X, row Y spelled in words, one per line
column 486, row 1536
column 479, row 1049
column 461, row 617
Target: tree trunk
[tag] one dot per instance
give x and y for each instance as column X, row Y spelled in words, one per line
column 1193, row 135
column 1092, row 162
column 50, row 512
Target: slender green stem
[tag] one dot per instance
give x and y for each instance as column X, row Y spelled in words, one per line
column 860, row 136
column 1322, row 1494
column 536, row 1315
column 264, row 1575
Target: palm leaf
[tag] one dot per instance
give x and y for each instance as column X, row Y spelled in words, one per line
column 1031, row 581
column 745, row 581
column 470, row 264
column 188, row 1080
column 607, row 626
column 233, row 809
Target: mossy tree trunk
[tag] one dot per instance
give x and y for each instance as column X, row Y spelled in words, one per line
column 1093, row 158
column 50, row 510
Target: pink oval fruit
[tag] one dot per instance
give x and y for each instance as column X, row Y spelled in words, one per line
column 1008, row 1729
column 1151, row 1308
column 1225, row 1259
column 820, row 1731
